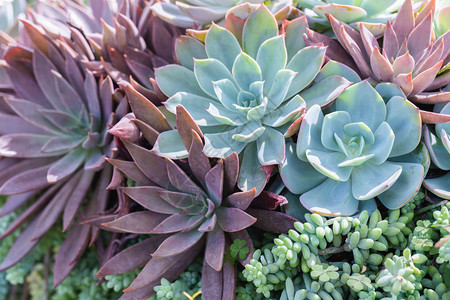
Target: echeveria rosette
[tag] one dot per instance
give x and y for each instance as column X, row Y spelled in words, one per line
column 351, row 154
column 373, row 14
column 185, row 203
column 438, row 144
column 196, row 13
column 409, row 56
column 54, row 122
column 247, row 99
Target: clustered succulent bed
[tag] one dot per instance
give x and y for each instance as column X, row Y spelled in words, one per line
column 225, row 149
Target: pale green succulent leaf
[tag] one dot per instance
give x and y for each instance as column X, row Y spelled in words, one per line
column 404, row 119
column 332, row 68
column 438, row 152
column 256, row 113
column 445, row 139
column 359, row 100
column 405, row 188
column 287, row 112
column 325, row 91
column 209, row 70
column 360, row 129
column 188, row 48
column 353, row 162
column 444, row 126
column 170, row 145
column 388, row 90
column 439, row 186
column 166, row 12
column 259, row 27
column 384, row 140
column 222, row 144
column 249, row 132
column 309, row 135
column 246, row 71
column 333, row 123
column 373, row 7
column 327, row 163
column 280, row 87
column 307, row 63
column 195, row 105
column 250, row 173
column 174, row 78
column 295, row 29
column 222, row 45
column 293, row 171
column 370, row 180
column 332, row 198
column 226, row 92
column 225, row 116
column 345, row 13
column 271, row 58
column 271, row 147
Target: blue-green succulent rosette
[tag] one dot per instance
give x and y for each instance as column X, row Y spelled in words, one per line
column 362, row 148
column 247, row 90
column 438, row 144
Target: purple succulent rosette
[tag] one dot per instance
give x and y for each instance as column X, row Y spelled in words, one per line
column 54, row 122
column 361, row 149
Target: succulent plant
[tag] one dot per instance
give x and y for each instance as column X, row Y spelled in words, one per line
column 197, row 13
column 372, row 14
column 409, row 57
column 442, row 17
column 54, row 119
column 247, row 98
column 186, row 202
column 359, row 156
column 9, row 12
column 438, row 144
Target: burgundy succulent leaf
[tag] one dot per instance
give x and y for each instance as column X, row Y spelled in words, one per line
column 54, row 146
column 195, row 198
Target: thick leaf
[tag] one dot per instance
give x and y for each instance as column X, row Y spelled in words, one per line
column 180, row 180
column 142, row 222
column 352, row 102
column 232, row 219
column 328, row 163
column 187, row 48
column 324, row 91
column 177, row 223
column 333, row 128
column 215, row 248
column 294, row 29
column 169, row 144
column 66, row 165
column 331, row 198
column 272, row 221
column 309, row 135
column 271, row 58
column 246, row 71
column 185, row 126
column 404, row 119
column 439, row 186
column 370, row 180
column 271, row 147
column 294, row 171
column 24, row 145
column 281, row 84
column 130, row 169
column 222, row 144
column 229, row 282
column 381, row 67
column 384, row 140
column 27, row 181
column 198, row 161
column 251, row 175
column 231, row 172
column 214, row 183
column 241, row 200
column 212, row 282
column 172, row 79
column 70, row 252
column 178, row 243
column 406, row 186
column 132, row 257
column 209, row 70
column 345, row 13
column 307, row 62
column 333, row 68
column 218, row 39
column 148, row 197
column 259, row 27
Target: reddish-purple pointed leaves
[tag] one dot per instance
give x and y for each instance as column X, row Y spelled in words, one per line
column 148, row 197
column 212, row 283
column 70, row 252
column 404, row 22
column 229, row 276
column 132, row 257
column 390, row 42
column 215, row 248
column 178, row 243
column 209, row 224
column 424, row 79
column 126, row 129
column 433, row 118
column 243, row 235
column 231, row 172
column 21, row 247
column 138, row 222
column 355, row 52
column 130, row 169
column 241, row 200
column 14, row 202
column 381, row 67
column 144, row 109
column 177, row 223
column 420, row 37
column 431, row 98
column 165, row 267
column 403, row 64
column 198, row 161
column 269, row 200
column 185, row 126
column 272, row 221
column 214, row 183
column 152, row 165
column 233, row 219
column 369, row 41
column 176, row 199
column 26, row 181
column 404, row 81
column 149, row 133
column 180, row 180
